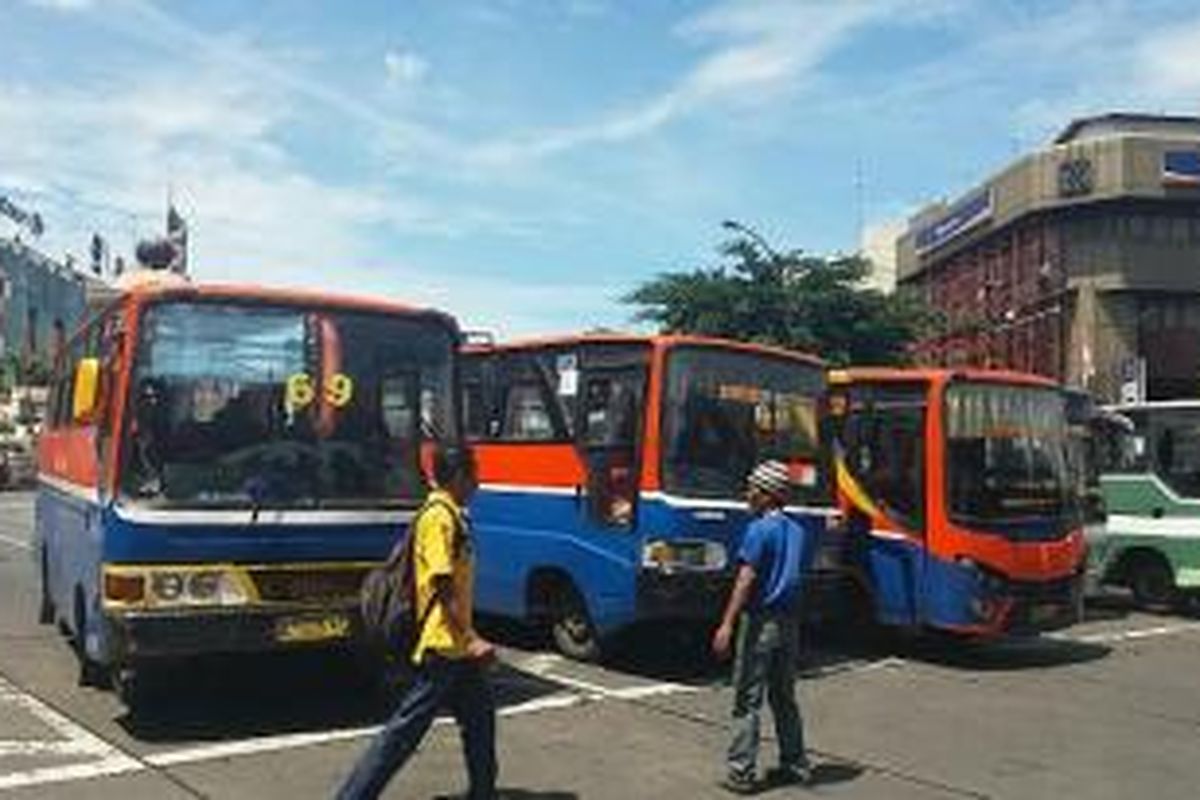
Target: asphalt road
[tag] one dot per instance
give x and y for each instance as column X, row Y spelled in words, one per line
column 1110, row 709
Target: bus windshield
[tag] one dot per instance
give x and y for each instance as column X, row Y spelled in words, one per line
column 236, row 405
column 1006, row 459
column 727, row 409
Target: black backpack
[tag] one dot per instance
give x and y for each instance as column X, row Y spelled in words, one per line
column 387, row 600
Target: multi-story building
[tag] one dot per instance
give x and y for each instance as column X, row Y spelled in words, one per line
column 41, row 304
column 1080, row 261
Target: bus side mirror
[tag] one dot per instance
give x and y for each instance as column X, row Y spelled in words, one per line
column 87, row 386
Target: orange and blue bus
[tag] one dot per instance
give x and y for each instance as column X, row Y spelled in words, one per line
column 221, row 465
column 961, row 509
column 612, row 473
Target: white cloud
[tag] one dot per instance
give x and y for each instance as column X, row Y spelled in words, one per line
column 762, row 48
column 404, row 67
column 1168, row 62
column 62, row 5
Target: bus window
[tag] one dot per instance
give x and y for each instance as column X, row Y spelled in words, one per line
column 242, row 404
column 1006, row 459
column 610, row 427
column 726, row 410
column 1172, row 446
column 532, row 410
column 476, row 411
column 884, row 440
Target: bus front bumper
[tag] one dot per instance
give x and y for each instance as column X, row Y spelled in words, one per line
column 136, row 635
column 691, row 595
column 1031, row 609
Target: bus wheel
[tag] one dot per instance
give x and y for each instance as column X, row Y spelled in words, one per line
column 91, row 672
column 46, row 608
column 1151, row 581
column 134, row 688
column 574, row 634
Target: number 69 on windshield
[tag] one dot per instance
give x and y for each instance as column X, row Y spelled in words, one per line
column 301, row 391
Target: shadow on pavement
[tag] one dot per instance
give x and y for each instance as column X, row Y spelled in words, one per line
column 237, row 698
column 832, row 772
column 1005, row 655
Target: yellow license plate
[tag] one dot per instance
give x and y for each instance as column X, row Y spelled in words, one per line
column 312, row 629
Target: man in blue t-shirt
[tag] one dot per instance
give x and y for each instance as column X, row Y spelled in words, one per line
column 764, row 606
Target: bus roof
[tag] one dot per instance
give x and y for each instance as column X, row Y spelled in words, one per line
column 885, row 374
column 664, row 340
column 183, row 290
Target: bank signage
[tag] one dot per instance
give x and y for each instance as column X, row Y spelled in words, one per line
column 1181, row 168
column 962, row 217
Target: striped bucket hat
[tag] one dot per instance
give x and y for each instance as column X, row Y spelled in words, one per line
column 771, row 477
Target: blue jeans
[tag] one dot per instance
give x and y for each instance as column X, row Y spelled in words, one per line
column 765, row 664
column 464, row 687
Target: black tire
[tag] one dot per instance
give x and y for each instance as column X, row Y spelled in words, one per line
column 1150, row 579
column 571, row 625
column 130, row 685
column 91, row 672
column 46, row 607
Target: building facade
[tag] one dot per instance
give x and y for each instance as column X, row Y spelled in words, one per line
column 41, row 305
column 1080, row 261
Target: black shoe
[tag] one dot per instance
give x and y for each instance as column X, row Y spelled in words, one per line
column 790, row 776
column 740, row 783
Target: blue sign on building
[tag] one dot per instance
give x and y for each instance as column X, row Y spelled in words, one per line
column 1181, row 168
column 966, row 214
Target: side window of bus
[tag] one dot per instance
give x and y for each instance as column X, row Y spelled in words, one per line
column 610, row 411
column 476, row 411
column 884, row 436
column 1174, row 450
column 531, row 412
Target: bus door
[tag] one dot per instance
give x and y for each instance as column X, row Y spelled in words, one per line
column 518, row 415
column 610, row 409
column 883, row 475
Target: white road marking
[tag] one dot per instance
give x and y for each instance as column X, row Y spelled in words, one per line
column 74, row 740
column 291, row 741
column 18, row 543
column 1109, row 637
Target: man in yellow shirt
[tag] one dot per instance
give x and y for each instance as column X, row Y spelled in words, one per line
column 451, row 658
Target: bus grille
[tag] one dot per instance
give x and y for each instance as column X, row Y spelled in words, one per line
column 308, row 586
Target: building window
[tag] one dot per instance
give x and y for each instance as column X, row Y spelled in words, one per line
column 31, row 323
column 60, row 337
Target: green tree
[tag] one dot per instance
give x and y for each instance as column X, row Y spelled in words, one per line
column 817, row 304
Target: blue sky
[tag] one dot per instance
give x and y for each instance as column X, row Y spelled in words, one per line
column 522, row 163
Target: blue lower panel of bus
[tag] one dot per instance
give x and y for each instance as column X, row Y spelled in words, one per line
column 912, row 587
column 523, row 534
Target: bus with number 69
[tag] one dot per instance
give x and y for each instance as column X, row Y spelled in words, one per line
column 220, row 466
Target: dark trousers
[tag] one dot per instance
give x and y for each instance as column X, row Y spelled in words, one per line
column 765, row 666
column 462, row 686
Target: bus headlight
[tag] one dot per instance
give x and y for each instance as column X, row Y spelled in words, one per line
column 684, row 554
column 197, row 588
column 166, row 585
